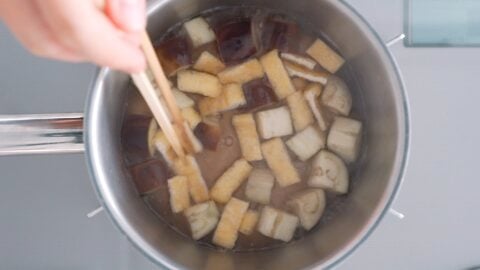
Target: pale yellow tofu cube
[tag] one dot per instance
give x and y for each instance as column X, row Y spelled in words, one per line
column 301, row 114
column 207, row 62
column 199, row 83
column 179, row 197
column 199, row 31
column 230, row 180
column 278, row 159
column 325, row 56
column 232, row 97
column 191, row 116
column 188, row 167
column 247, row 134
column 277, row 74
column 250, row 220
column 226, row 233
column 242, row 73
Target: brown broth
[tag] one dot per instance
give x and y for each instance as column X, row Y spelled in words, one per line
column 242, row 33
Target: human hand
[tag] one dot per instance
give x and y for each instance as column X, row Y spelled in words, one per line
column 106, row 33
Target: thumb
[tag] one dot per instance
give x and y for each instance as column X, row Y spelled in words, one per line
column 128, row 15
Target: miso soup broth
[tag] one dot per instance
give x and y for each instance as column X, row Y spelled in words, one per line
column 277, row 132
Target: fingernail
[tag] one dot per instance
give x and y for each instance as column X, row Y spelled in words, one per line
column 135, row 14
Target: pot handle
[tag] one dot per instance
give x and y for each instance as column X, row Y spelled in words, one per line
column 41, row 134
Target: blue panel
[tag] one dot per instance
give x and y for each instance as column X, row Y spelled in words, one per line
column 441, row 23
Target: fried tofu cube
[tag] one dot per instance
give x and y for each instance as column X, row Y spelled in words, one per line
column 199, row 31
column 278, row 159
column 183, row 101
column 274, row 123
column 345, row 137
column 308, row 205
column 191, row 116
column 299, row 60
column 198, row 83
column 230, row 180
column 197, row 187
column 311, row 94
column 202, row 219
column 207, row 62
column 242, row 73
column 295, row 70
column 325, row 56
column 277, row 224
column 277, row 74
column 306, row 143
column 179, row 197
column 259, row 186
column 247, row 134
column 226, row 233
column 300, row 111
column 250, row 220
column 232, row 97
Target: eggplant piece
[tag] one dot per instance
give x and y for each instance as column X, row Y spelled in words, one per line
column 277, row 224
column 258, row 93
column 202, row 218
column 299, row 60
column 134, row 139
column 277, row 33
column 344, row 138
column 312, row 93
column 259, row 186
column 209, row 135
column 308, row 205
column 329, row 172
column 274, row 123
column 235, row 41
column 150, row 175
column 336, row 96
column 306, row 143
column 174, row 54
column 296, row 70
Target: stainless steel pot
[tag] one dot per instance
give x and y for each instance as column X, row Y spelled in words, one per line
column 386, row 133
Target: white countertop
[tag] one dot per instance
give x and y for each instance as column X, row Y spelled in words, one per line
column 43, row 201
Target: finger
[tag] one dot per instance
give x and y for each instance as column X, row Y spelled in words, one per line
column 28, row 27
column 128, row 15
column 96, row 38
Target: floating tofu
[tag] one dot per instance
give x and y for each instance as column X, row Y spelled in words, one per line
column 179, row 197
column 199, row 31
column 226, row 233
column 337, row 97
column 191, row 116
column 188, row 167
column 202, row 218
column 344, row 138
column 242, row 73
column 232, row 97
column 277, row 75
column 329, row 172
column 312, row 94
column 299, row 60
column 308, row 205
column 250, row 220
column 301, row 114
column 325, row 56
column 152, row 130
column 277, row 224
column 230, row 180
column 276, row 155
column 274, row 123
column 183, row 101
column 207, row 62
column 198, row 83
column 246, row 130
column 295, row 70
column 306, row 143
column 259, row 186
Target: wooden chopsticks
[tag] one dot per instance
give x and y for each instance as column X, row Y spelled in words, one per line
column 175, row 132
